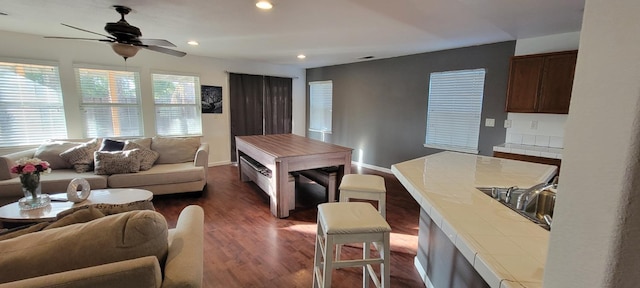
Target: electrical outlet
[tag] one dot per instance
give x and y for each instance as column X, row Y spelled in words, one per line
column 507, row 123
column 534, row 125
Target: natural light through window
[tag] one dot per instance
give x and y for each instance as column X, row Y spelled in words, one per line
column 177, row 100
column 320, row 109
column 454, row 110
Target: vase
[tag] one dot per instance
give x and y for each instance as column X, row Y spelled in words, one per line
column 32, row 189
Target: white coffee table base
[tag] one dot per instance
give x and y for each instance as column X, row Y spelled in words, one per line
column 12, row 212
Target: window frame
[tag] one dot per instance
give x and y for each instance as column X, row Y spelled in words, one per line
column 41, row 126
column 197, row 101
column 323, row 132
column 473, row 118
column 83, row 105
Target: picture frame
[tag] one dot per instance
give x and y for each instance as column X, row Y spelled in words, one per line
column 211, row 99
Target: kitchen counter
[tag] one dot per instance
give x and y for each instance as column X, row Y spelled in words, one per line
column 530, row 150
column 504, row 248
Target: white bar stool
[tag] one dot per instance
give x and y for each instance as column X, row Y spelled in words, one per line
column 351, row 222
column 368, row 187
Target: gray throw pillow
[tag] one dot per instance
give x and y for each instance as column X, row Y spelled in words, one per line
column 147, row 156
column 81, row 157
column 50, row 152
column 117, row 162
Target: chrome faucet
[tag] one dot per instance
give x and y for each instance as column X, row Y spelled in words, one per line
column 529, row 196
column 507, row 196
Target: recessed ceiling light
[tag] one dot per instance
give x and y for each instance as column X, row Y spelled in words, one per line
column 193, row 43
column 266, row 5
column 302, row 56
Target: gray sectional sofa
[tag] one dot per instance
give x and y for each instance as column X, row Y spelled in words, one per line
column 181, row 166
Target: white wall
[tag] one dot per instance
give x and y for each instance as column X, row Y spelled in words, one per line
column 215, row 127
column 596, row 227
column 548, row 125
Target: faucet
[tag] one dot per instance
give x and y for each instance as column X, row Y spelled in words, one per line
column 507, row 196
column 529, row 196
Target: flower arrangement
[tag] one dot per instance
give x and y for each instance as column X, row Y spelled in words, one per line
column 29, row 171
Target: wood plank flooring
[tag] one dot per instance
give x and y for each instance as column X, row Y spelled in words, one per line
column 245, row 246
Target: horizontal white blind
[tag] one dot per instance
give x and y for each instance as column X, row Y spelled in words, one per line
column 320, row 105
column 454, row 110
column 31, row 107
column 110, row 102
column 177, row 100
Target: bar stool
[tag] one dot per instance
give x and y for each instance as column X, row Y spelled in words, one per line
column 351, row 222
column 360, row 186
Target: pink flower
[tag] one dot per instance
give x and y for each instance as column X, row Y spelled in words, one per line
column 45, row 165
column 29, row 168
column 14, row 170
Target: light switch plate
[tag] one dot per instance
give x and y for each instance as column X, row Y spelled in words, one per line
column 534, row 125
column 507, row 123
column 490, row 122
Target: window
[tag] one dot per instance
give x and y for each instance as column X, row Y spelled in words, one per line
column 177, row 100
column 110, row 102
column 31, row 108
column 454, row 108
column 320, row 107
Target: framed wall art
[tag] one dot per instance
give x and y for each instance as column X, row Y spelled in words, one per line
column 211, row 99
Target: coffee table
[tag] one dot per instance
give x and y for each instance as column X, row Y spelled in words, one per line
column 12, row 213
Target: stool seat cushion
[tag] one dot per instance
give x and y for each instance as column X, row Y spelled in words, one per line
column 364, row 183
column 351, row 217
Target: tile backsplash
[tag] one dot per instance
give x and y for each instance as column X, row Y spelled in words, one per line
column 536, row 129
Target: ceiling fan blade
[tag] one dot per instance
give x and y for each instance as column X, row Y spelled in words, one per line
column 110, row 37
column 76, row 38
column 164, row 50
column 157, row 42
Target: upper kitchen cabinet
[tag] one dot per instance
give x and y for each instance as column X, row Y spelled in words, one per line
column 541, row 83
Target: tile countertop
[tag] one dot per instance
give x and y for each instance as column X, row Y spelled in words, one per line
column 531, row 150
column 506, row 249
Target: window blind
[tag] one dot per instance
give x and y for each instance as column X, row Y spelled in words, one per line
column 177, row 101
column 454, row 110
column 320, row 106
column 31, row 104
column 110, row 102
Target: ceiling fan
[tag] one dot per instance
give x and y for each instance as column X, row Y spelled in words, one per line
column 125, row 38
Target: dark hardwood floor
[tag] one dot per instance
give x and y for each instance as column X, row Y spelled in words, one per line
column 245, row 246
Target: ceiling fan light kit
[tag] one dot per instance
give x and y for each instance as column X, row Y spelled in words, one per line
column 125, row 38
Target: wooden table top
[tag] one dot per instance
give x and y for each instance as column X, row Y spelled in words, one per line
column 291, row 145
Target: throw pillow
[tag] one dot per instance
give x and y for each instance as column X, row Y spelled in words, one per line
column 111, row 145
column 117, row 162
column 175, row 150
column 81, row 156
column 105, row 240
column 147, row 156
column 50, row 152
column 145, row 142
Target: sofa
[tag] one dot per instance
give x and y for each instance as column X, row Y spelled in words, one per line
column 131, row 249
column 173, row 165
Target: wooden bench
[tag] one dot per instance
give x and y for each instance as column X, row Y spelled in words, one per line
column 252, row 170
column 326, row 177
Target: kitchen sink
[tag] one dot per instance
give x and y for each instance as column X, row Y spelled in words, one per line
column 500, row 194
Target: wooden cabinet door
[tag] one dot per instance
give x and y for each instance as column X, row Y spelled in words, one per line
column 524, row 81
column 557, row 83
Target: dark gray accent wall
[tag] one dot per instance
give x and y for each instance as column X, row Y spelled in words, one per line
column 380, row 106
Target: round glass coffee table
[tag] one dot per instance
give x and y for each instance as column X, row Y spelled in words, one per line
column 12, row 213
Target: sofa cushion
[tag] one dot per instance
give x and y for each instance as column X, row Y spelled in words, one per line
column 175, row 150
column 145, row 142
column 50, row 152
column 158, row 175
column 116, row 162
column 81, row 157
column 111, row 145
column 147, row 156
column 109, row 239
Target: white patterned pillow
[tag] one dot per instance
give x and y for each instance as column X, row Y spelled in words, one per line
column 147, row 156
column 117, row 162
column 81, row 157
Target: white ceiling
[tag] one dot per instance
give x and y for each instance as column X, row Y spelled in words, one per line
column 327, row 31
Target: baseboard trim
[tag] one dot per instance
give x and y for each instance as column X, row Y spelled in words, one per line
column 372, row 167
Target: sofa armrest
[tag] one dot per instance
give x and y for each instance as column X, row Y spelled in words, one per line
column 6, row 161
column 139, row 272
column 202, row 158
column 183, row 267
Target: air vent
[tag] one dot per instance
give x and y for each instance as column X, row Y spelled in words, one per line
column 366, row 57
column 3, row 14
